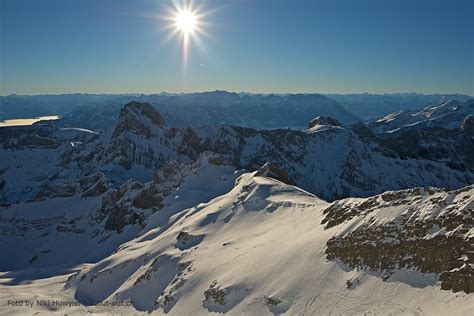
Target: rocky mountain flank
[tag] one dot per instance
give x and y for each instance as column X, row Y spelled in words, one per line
column 329, row 160
column 425, row 229
column 333, row 162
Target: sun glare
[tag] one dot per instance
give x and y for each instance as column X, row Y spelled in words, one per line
column 186, row 21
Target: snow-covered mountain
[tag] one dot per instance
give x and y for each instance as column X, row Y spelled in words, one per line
column 230, row 219
column 333, row 162
column 450, row 115
column 266, row 247
column 370, row 106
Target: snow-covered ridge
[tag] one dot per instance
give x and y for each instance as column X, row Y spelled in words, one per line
column 449, row 114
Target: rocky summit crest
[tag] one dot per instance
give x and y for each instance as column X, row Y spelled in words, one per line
column 136, row 117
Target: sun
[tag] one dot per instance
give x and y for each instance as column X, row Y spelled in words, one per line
column 186, row 21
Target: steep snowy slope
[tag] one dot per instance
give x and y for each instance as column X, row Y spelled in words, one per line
column 85, row 220
column 262, row 249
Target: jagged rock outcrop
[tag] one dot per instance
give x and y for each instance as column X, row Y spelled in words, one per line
column 136, row 117
column 273, row 171
column 133, row 201
column 89, row 186
column 428, row 230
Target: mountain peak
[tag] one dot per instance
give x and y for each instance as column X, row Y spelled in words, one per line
column 138, row 117
column 144, row 109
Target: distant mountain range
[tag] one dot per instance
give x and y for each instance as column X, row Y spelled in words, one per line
column 97, row 111
column 370, row 106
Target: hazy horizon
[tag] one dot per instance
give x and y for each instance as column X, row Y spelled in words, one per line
column 237, row 92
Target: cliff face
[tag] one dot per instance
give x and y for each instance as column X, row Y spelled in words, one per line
column 427, row 230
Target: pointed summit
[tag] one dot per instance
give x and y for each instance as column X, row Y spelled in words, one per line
column 138, row 118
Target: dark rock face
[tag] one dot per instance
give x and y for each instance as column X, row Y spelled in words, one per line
column 90, row 186
column 185, row 240
column 56, row 190
column 130, row 119
column 116, row 210
column 97, row 189
column 430, row 233
column 435, row 144
column 467, row 126
column 147, row 110
column 273, row 171
column 362, row 130
column 215, row 294
column 321, row 120
column 133, row 201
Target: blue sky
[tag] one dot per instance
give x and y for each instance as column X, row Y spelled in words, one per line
column 115, row 46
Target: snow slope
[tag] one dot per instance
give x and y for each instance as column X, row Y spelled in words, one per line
column 48, row 231
column 259, row 249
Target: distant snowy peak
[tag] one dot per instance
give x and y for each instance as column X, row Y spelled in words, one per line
column 449, row 114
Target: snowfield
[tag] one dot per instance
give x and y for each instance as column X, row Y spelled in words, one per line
column 258, row 249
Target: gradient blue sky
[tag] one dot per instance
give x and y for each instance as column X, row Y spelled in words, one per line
column 105, row 46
